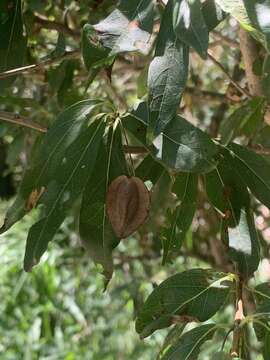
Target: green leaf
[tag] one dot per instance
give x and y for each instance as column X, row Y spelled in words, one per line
column 149, row 169
column 66, row 186
column 189, row 25
column 229, row 195
column 48, row 154
column 244, row 120
column 262, row 299
column 192, row 295
column 167, row 75
column 266, row 347
column 172, row 338
column 95, row 230
column 95, row 55
column 186, row 189
column 254, row 171
column 258, row 14
column 181, row 147
column 213, row 14
column 244, row 243
column 128, row 28
column 12, row 38
column 237, row 9
column 188, row 346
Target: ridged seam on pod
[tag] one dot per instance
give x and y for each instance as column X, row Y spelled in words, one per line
column 127, row 205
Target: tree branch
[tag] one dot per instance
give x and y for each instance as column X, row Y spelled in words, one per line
column 25, row 69
column 239, row 316
column 21, row 120
column 233, row 82
column 249, row 50
column 54, row 25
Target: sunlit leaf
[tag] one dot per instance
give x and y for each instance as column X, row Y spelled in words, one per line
column 189, row 25
column 128, row 28
column 167, row 75
column 182, row 146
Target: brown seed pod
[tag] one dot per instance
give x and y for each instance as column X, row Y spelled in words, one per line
column 127, row 205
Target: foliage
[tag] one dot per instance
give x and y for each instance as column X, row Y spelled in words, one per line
column 103, row 131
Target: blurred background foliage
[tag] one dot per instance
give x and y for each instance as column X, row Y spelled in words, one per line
column 59, row 310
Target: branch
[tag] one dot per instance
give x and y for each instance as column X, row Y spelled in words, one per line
column 209, row 95
column 233, row 82
column 54, row 25
column 249, row 50
column 21, row 120
column 239, row 316
column 25, row 69
column 134, row 149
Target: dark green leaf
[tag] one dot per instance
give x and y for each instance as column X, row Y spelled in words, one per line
column 243, row 121
column 167, row 75
column 228, row 193
column 12, row 38
column 266, row 347
column 149, row 169
column 95, row 230
column 262, row 298
column 244, row 243
column 128, row 28
column 172, row 337
column 188, row 346
column 95, row 55
column 213, row 14
column 185, row 188
column 181, row 146
column 254, row 171
column 66, row 186
column 48, row 154
column 189, row 25
column 192, row 295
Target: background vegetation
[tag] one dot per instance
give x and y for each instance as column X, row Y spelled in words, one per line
column 58, row 310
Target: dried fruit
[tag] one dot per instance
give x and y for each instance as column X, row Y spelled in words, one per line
column 127, row 205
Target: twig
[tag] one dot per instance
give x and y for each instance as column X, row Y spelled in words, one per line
column 25, row 69
column 209, row 95
column 239, row 316
column 54, row 25
column 259, row 149
column 21, row 120
column 233, row 82
column 134, row 149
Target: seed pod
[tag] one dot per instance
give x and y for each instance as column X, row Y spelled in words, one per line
column 127, row 205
